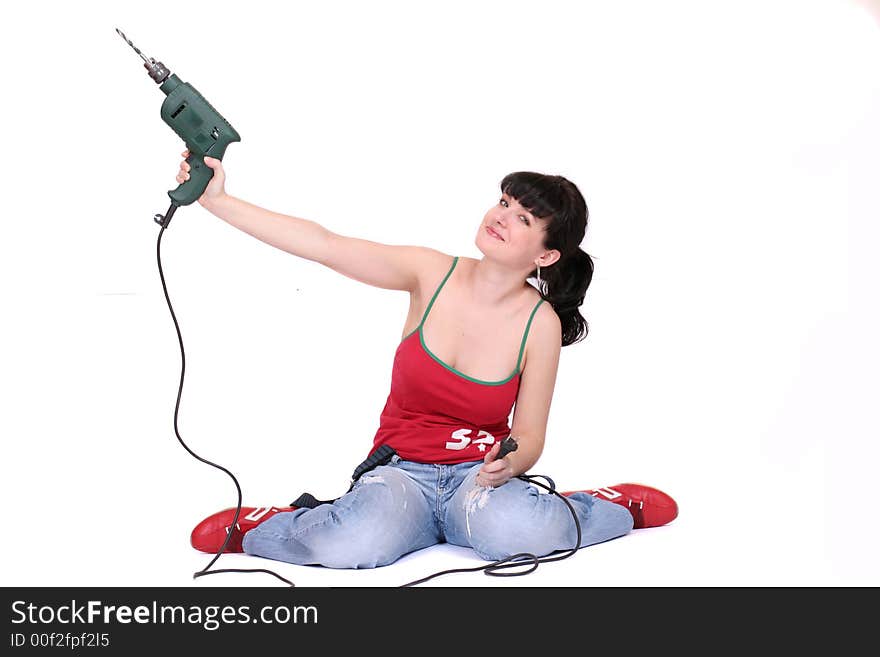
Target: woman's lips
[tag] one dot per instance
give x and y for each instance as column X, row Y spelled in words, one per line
column 494, row 234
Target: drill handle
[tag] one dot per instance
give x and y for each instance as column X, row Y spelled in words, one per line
column 200, row 175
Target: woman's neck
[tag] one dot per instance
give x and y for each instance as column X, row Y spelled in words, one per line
column 491, row 284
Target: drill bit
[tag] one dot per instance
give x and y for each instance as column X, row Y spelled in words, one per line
column 157, row 70
column 119, row 32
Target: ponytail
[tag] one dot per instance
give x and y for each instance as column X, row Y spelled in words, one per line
column 564, row 286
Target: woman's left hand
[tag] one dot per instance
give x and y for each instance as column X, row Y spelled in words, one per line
column 494, row 472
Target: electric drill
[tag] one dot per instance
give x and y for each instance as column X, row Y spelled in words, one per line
column 194, row 119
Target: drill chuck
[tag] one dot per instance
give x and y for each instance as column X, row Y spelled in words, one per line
column 157, row 71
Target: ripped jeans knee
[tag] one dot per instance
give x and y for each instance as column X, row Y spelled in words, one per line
column 517, row 517
column 383, row 517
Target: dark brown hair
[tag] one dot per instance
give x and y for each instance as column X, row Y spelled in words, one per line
column 558, row 202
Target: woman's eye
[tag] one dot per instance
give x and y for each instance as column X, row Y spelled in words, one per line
column 522, row 216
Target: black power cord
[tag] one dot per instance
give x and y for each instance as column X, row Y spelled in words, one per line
column 205, row 570
column 516, row 560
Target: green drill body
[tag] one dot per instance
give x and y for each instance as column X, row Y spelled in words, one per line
column 197, row 123
column 202, row 129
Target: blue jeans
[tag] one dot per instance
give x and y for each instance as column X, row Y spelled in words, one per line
column 404, row 506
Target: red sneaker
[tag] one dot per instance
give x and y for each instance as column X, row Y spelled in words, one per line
column 649, row 507
column 209, row 534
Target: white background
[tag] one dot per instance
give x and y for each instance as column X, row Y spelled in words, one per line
column 728, row 153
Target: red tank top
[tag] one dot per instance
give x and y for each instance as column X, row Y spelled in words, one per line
column 436, row 414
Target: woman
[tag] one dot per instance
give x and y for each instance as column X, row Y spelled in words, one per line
column 478, row 338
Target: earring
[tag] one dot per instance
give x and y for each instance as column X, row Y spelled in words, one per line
column 539, row 278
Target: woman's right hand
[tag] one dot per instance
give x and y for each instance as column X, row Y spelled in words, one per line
column 215, row 190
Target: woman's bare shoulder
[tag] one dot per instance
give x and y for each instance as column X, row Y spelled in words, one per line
column 433, row 266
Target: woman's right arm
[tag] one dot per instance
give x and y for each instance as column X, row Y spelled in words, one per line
column 390, row 267
column 300, row 237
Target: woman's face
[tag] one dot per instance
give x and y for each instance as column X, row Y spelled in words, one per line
column 520, row 235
